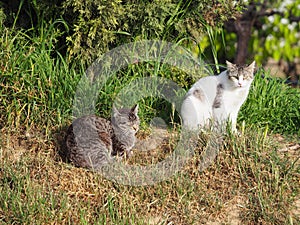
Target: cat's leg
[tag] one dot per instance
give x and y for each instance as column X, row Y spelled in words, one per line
column 218, row 119
column 222, row 118
column 233, row 121
column 128, row 152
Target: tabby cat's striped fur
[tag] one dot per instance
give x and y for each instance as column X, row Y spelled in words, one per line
column 93, row 141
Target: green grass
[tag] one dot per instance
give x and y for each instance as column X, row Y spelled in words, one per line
column 35, row 87
column 38, row 88
column 272, row 104
column 250, row 176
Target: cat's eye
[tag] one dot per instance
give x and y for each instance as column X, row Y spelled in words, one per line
column 234, row 77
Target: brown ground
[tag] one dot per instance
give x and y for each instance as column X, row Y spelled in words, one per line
column 223, row 183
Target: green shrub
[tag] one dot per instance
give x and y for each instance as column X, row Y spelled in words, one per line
column 97, row 26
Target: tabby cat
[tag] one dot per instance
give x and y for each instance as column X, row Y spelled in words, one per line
column 93, row 142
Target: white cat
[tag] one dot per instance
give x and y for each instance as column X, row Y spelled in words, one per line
column 217, row 98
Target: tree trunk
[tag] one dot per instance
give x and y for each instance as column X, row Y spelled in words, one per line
column 291, row 72
column 242, row 26
column 243, row 31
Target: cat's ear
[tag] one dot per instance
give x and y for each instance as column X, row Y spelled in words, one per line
column 251, row 67
column 230, row 66
column 135, row 109
column 115, row 111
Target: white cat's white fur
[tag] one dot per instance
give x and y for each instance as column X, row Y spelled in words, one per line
column 217, row 99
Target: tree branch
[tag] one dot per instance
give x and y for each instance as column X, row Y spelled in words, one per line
column 269, row 13
column 294, row 18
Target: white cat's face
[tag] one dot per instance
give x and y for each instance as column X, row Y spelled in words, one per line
column 240, row 76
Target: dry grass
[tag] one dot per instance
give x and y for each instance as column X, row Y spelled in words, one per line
column 250, row 182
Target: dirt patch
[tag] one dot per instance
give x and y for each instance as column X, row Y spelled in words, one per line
column 230, row 214
column 12, row 149
column 290, row 148
column 296, row 211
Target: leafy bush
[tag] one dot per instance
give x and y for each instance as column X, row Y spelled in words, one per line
column 97, row 26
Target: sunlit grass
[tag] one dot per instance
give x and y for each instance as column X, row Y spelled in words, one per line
column 250, row 176
column 272, row 103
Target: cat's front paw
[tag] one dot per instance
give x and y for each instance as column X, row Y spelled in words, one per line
column 236, row 132
column 128, row 153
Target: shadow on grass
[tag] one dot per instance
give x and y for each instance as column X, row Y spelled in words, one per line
column 60, row 143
